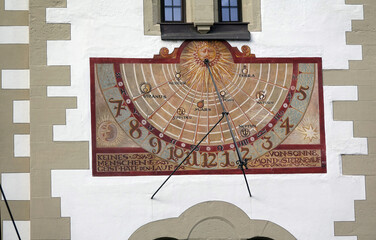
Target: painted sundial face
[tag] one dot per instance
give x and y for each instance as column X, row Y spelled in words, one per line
column 168, row 105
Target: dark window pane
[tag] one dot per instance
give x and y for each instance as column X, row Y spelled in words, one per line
column 234, row 15
column 177, row 2
column 177, row 14
column 168, row 2
column 233, row 2
column 225, row 15
column 224, row 2
column 168, row 14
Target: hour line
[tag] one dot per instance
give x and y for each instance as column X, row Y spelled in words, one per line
column 239, row 107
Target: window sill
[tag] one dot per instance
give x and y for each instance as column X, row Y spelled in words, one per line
column 219, row 31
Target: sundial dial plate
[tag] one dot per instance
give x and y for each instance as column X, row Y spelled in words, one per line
column 149, row 113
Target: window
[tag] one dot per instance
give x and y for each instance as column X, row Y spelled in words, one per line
column 202, row 19
column 229, row 10
column 172, row 11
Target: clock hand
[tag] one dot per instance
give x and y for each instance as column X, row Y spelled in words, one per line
column 223, row 115
column 242, row 163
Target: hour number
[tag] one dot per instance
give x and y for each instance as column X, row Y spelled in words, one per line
column 227, row 162
column 155, row 142
column 118, row 107
column 175, row 153
column 209, row 160
column 267, row 145
column 135, row 131
column 192, row 160
column 302, row 92
column 286, row 124
column 246, row 152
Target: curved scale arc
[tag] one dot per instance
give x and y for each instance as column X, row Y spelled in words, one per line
column 238, row 107
column 243, row 108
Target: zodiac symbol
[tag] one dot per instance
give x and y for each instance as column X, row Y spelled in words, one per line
column 180, row 111
column 178, row 76
column 244, row 70
column 245, row 132
column 261, row 95
column 200, row 104
column 145, row 87
column 223, row 94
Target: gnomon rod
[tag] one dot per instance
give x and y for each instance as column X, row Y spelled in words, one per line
column 189, row 154
column 10, row 212
column 242, row 163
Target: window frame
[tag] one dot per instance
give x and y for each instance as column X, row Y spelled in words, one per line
column 182, row 11
column 239, row 7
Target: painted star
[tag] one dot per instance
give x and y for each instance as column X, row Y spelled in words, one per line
column 310, row 133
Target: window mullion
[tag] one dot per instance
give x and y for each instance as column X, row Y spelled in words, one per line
column 173, row 18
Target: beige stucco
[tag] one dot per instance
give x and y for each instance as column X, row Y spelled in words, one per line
column 45, row 154
column 211, row 220
column 202, row 14
column 12, row 56
column 362, row 73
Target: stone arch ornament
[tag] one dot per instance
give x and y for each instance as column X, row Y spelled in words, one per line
column 211, row 220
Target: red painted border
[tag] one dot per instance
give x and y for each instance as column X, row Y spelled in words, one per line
column 238, row 57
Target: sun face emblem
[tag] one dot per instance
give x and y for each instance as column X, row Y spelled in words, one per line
column 194, row 70
column 107, row 131
column 206, row 51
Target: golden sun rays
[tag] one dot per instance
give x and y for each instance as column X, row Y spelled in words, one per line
column 309, row 129
column 195, row 71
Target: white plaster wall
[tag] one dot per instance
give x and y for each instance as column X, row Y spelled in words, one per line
column 307, row 28
column 23, row 228
column 21, row 145
column 16, row 5
column 15, row 79
column 21, row 111
column 14, row 34
column 16, row 186
column 113, row 208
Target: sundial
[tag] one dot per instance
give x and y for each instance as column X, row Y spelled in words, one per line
column 149, row 113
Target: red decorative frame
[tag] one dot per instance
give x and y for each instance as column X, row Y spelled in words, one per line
column 243, row 56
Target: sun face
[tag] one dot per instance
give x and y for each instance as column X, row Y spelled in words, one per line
column 207, row 51
column 195, row 72
column 108, row 132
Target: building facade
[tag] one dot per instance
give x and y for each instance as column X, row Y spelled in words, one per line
column 47, row 162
